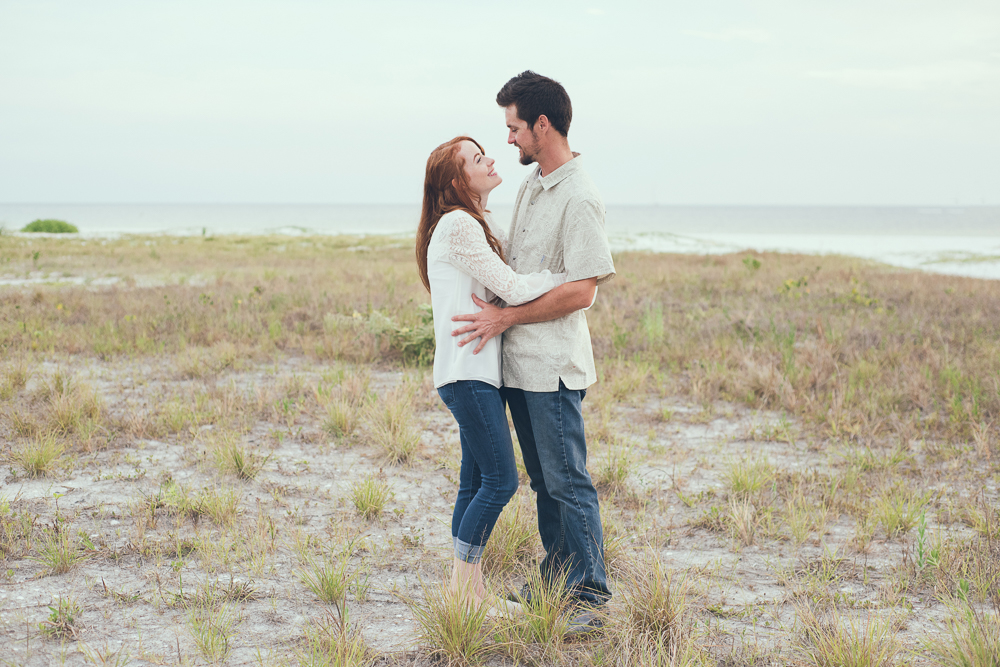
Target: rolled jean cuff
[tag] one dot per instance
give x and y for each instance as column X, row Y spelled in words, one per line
column 468, row 553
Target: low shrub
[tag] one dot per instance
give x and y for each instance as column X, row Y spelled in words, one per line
column 51, row 227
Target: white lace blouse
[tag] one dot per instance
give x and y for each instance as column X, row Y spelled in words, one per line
column 461, row 263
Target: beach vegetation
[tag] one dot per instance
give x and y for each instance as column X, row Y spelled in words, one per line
column 898, row 509
column 807, row 445
column 657, row 604
column 543, row 621
column 451, row 626
column 50, row 226
column 233, row 457
column 38, row 456
column 213, row 629
column 748, row 477
column 514, row 542
column 64, row 619
column 332, row 641
column 971, row 639
column 370, row 495
column 833, row 640
column 612, row 470
column 393, row 426
column 328, row 577
column 58, row 550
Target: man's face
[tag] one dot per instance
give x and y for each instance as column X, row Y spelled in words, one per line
column 518, row 134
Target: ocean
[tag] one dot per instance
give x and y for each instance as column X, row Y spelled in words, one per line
column 952, row 240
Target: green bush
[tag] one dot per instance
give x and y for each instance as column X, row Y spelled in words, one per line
column 51, row 227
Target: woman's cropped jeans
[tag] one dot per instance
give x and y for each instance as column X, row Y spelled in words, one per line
column 488, row 478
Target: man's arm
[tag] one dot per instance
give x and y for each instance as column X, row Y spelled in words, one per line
column 492, row 321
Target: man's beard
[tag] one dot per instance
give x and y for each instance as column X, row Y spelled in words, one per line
column 526, row 157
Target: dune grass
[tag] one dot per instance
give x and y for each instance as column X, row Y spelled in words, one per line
column 796, row 458
column 858, row 351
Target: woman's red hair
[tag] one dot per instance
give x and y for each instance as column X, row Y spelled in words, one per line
column 446, row 189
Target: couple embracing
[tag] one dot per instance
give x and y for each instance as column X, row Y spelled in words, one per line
column 531, row 284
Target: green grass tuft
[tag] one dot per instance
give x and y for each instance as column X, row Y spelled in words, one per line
column 39, row 456
column 63, row 620
column 973, row 640
column 370, row 495
column 852, row 642
column 451, row 626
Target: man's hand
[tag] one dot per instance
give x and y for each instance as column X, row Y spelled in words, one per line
column 487, row 323
column 492, row 321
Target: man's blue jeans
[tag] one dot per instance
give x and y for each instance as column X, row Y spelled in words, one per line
column 488, row 478
column 549, row 428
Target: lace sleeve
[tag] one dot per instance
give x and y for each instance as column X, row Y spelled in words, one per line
column 468, row 250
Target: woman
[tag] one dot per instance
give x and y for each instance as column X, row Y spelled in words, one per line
column 459, row 254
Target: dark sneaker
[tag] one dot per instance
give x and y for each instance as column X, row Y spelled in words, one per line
column 522, row 596
column 584, row 621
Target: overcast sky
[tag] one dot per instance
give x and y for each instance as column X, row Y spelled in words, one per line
column 719, row 103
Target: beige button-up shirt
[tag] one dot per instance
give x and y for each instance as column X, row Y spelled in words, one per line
column 558, row 225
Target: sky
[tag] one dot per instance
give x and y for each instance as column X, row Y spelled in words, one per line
column 773, row 102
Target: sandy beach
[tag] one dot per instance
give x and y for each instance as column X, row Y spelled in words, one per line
column 215, row 447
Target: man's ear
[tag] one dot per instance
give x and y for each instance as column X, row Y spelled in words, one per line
column 542, row 125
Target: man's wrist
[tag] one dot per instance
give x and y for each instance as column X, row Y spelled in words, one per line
column 508, row 317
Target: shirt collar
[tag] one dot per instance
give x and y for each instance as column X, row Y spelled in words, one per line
column 559, row 174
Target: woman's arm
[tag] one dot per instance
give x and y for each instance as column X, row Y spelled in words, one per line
column 468, row 250
column 492, row 321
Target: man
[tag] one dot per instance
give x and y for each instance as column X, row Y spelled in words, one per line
column 548, row 361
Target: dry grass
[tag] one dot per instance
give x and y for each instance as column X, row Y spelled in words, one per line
column 370, row 495
column 834, row 641
column 861, row 344
column 514, row 541
column 38, row 456
column 819, row 466
column 451, row 628
column 393, row 425
column 657, row 605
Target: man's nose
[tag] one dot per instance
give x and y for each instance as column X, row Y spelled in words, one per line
column 510, row 137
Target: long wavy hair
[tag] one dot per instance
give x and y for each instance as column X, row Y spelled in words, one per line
column 446, row 189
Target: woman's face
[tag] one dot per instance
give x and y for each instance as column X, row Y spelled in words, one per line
column 479, row 169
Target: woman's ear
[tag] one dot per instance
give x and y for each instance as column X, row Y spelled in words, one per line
column 454, row 184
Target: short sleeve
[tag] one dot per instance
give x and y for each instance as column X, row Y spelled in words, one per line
column 586, row 253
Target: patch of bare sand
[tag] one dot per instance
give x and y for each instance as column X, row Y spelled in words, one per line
column 144, row 564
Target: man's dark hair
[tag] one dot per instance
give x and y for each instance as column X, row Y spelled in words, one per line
column 535, row 95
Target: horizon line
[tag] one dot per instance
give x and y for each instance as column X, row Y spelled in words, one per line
column 501, row 204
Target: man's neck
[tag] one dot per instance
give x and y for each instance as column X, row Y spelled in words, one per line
column 556, row 156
